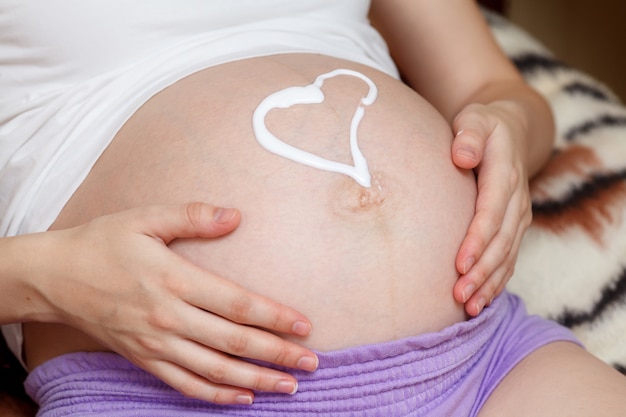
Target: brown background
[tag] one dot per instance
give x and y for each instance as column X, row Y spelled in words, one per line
column 589, row 35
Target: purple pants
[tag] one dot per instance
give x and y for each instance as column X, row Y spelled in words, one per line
column 448, row 373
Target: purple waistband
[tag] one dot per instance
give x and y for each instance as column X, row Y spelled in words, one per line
column 435, row 374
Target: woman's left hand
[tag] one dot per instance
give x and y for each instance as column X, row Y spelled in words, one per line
column 491, row 139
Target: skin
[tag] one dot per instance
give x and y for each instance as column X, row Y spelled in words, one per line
column 503, row 131
column 194, row 141
column 375, row 237
column 128, row 260
column 559, row 379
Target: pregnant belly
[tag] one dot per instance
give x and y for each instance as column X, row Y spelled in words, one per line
column 365, row 264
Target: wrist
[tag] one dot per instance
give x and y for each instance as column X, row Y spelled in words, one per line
column 531, row 114
column 25, row 263
column 514, row 115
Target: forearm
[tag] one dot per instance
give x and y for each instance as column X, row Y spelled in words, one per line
column 446, row 52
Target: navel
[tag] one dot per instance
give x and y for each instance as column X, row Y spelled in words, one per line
column 349, row 197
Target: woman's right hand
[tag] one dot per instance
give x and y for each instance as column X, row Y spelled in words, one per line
column 116, row 280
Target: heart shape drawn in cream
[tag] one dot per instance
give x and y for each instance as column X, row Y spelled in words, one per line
column 313, row 94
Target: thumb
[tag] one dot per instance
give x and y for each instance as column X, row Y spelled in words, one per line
column 467, row 149
column 472, row 130
column 186, row 221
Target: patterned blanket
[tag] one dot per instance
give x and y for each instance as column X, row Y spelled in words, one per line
column 572, row 263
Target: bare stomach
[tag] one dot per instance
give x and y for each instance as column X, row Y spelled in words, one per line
column 365, row 265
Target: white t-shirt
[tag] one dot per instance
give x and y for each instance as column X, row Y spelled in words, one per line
column 73, row 71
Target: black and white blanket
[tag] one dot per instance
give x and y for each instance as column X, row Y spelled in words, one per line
column 572, row 263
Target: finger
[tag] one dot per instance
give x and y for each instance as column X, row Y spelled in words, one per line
column 222, row 369
column 247, row 342
column 467, row 148
column 192, row 385
column 185, row 221
column 475, row 288
column 491, row 206
column 491, row 289
column 233, row 302
column 497, row 184
column 507, row 276
column 488, row 277
column 472, row 130
column 505, row 241
column 487, row 291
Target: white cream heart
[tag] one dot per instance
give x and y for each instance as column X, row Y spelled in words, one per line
column 313, row 94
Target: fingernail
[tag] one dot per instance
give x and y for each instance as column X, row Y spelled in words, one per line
column 467, row 153
column 308, row 363
column 459, row 132
column 469, row 263
column 224, row 215
column 480, row 304
column 287, row 387
column 243, row 399
column 468, row 291
column 301, row 328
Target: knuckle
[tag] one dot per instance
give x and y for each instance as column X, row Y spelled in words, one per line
column 218, row 373
column 481, row 241
column 491, row 220
column 514, row 178
column 480, row 276
column 237, row 344
column 138, row 359
column 161, row 320
column 219, row 398
column 528, row 218
column 258, row 383
column 193, row 213
column 240, row 308
column 471, row 110
column 177, row 285
column 476, row 235
column 281, row 355
column 509, row 273
column 150, row 344
column 492, row 286
column 506, row 240
column 190, row 388
column 277, row 317
column 526, row 203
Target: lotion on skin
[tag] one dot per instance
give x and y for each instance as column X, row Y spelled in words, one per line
column 312, row 94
